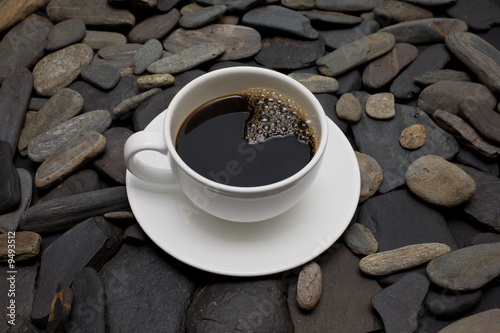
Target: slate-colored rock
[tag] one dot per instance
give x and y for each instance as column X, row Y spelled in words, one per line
column 483, row 237
column 482, row 58
column 431, row 77
column 130, row 306
column 64, row 34
column 347, row 6
column 287, row 53
column 143, row 4
column 135, row 235
column 102, row 76
column 309, row 286
column 9, row 221
column 329, row 17
column 10, row 187
column 152, row 107
column 280, row 19
column 145, row 56
column 384, row 69
column 360, row 239
column 90, row 243
column 69, row 158
column 233, row 6
column 298, row 4
column 57, row 70
column 348, row 108
column 431, row 30
column 155, row 81
column 240, row 41
column 371, row 134
column 91, row 12
column 350, row 81
column 389, row 12
column 468, row 157
column 447, row 95
column 337, row 38
column 371, row 175
column 445, row 303
column 154, row 27
column 257, row 306
column 120, row 51
column 317, row 84
column 62, row 106
column 485, row 120
column 14, row 99
column 63, row 213
column 24, row 44
column 399, row 305
column 134, row 101
column 479, row 15
column 356, row 53
column 100, row 39
column 468, row 268
column 202, row 16
column 328, row 102
column 27, row 246
column 380, row 106
column 432, row 58
column 412, row 137
column 486, row 321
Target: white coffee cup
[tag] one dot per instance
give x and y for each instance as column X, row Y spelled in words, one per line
column 239, row 204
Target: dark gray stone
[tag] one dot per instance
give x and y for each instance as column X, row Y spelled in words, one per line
column 431, row 77
column 445, row 303
column 10, row 187
column 135, row 235
column 166, row 5
column 202, row 16
column 120, row 52
column 360, row 239
column 152, row 107
column 336, row 38
column 484, row 119
column 65, row 33
column 350, row 81
column 9, row 221
column 102, row 76
column 331, row 18
column 390, row 12
column 487, row 321
column 254, row 306
column 482, row 238
column 371, row 134
column 347, row 5
column 425, row 31
column 146, row 55
column 140, row 4
column 90, row 243
column 480, row 14
column 280, row 19
column 233, row 6
column 154, row 27
column 400, row 304
column 133, row 306
column 467, row 157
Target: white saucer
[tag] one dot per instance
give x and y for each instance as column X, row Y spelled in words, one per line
column 250, row 249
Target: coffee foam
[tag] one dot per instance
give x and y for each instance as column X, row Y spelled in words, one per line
column 274, row 114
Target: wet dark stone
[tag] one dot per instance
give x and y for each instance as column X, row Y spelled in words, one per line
column 10, row 186
column 102, row 76
column 253, row 306
column 90, row 243
column 132, row 307
column 479, row 14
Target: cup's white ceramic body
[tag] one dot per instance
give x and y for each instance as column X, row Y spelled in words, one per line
column 239, row 204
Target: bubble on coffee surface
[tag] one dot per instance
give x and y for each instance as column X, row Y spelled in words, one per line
column 274, row 114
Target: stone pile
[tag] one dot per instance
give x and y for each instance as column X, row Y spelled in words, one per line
column 414, row 85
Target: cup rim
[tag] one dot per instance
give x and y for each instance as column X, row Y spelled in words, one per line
column 219, row 187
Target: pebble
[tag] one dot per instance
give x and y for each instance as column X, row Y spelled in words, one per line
column 433, row 58
column 348, row 108
column 162, row 309
column 64, row 212
column 391, row 261
column 468, row 157
column 371, row 175
column 400, row 304
column 62, row 106
column 135, row 235
column 46, row 144
column 413, row 137
column 329, row 17
column 91, row 12
column 27, row 246
column 118, row 216
column 390, row 12
column 309, row 286
column 14, row 98
column 298, row 4
column 356, row 53
column 241, row 42
column 483, row 237
column 447, row 95
column 187, row 59
column 439, row 182
column 100, row 39
column 287, row 53
column 60, row 309
column 132, row 102
column 479, row 15
column 317, row 84
column 445, row 304
column 350, row 81
column 485, row 321
column 431, row 77
column 64, row 34
column 468, row 268
column 360, row 239
column 432, row 3
column 202, row 17
column 145, row 56
column 328, row 103
column 10, row 187
column 58, row 69
column 232, row 5
column 425, row 31
column 155, row 81
column 15, row 11
column 280, row 19
column 89, row 243
column 154, row 27
column 384, row 69
column 479, row 56
column 347, row 5
column 381, row 106
column 485, row 120
column 24, row 44
column 143, row 4
column 102, row 76
column 465, row 134
column 120, row 52
column 339, row 37
column 9, row 221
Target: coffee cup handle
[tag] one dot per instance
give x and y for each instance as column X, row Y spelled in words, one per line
column 147, row 141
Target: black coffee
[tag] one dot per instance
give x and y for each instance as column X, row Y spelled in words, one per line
column 254, row 138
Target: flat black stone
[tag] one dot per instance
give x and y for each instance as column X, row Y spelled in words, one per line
column 152, row 107
column 478, row 14
column 90, row 243
column 101, row 76
column 134, row 305
column 10, row 186
column 467, row 157
column 350, row 81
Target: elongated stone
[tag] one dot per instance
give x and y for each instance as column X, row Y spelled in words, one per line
column 10, row 190
column 187, row 59
column 9, row 221
column 309, row 286
column 120, row 52
column 240, row 41
column 201, row 17
column 14, row 99
column 15, row 11
column 145, row 56
column 155, row 81
column 145, row 4
column 336, row 38
column 287, row 53
column 356, row 53
column 468, row 268
column 132, row 102
column 347, row 6
column 483, row 119
column 65, row 33
column 317, row 84
column 27, row 245
column 64, row 105
column 100, row 39
column 478, row 55
column 46, row 144
column 399, row 11
column 57, row 70
column 154, row 27
column 360, row 239
column 70, row 157
column 425, row 31
column 331, row 17
column 431, row 77
column 65, row 212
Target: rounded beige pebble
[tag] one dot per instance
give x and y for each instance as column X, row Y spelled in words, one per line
column 413, row 137
column 381, row 106
column 309, row 286
column 27, row 245
column 155, row 81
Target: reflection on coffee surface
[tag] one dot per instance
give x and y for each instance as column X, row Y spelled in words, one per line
column 253, row 138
